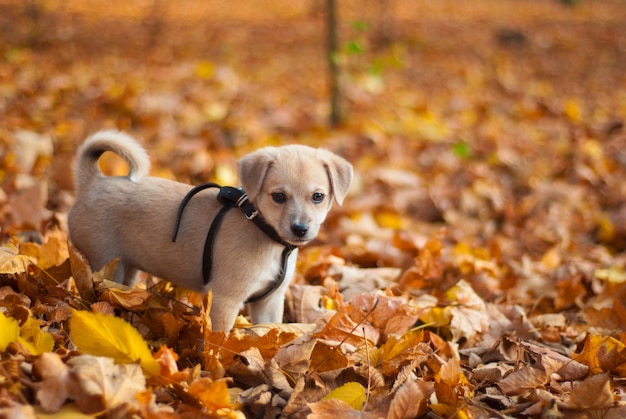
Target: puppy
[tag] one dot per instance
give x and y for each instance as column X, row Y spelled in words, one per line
column 132, row 218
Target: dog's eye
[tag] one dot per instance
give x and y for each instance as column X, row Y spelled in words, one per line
column 317, row 197
column 279, row 197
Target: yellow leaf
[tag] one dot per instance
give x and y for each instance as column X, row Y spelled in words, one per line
column 436, row 317
column 614, row 274
column 351, row 393
column 396, row 346
column 34, row 339
column 109, row 336
column 52, row 253
column 391, row 220
column 10, row 331
column 603, row 354
column 447, row 411
column 205, row 70
column 572, row 110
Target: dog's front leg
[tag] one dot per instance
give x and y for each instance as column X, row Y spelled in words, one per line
column 223, row 313
column 271, row 308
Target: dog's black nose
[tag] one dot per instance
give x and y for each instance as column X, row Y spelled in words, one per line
column 299, row 230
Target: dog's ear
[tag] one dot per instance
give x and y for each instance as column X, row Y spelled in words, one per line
column 252, row 169
column 340, row 174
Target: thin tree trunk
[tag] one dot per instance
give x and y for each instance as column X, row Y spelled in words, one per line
column 333, row 67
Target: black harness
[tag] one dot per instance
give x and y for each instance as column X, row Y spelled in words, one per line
column 230, row 198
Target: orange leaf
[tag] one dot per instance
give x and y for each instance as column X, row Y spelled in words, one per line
column 212, row 394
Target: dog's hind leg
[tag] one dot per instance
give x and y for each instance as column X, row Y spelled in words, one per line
column 125, row 274
column 223, row 313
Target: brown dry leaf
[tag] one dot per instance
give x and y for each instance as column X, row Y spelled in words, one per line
column 523, row 380
column 238, row 341
column 249, row 367
column 391, row 314
column 129, row 299
column 553, row 362
column 98, row 385
column 82, row 273
column 279, row 379
column 411, row 399
column 29, row 206
column 342, row 328
column 594, row 393
column 306, row 303
column 295, row 357
column 425, row 274
column 354, row 281
column 469, row 315
column 102, row 307
column 333, row 409
column 325, row 357
column 54, row 374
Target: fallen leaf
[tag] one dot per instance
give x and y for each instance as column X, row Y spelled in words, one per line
column 523, row 380
column 10, row 331
column 351, row 393
column 98, row 385
column 53, row 252
column 12, row 263
column 411, row 399
column 212, row 394
column 594, row 393
column 33, row 338
column 130, row 299
column 333, row 409
column 468, row 312
column 103, row 335
column 54, row 374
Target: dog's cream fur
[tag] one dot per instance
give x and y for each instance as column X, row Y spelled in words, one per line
column 132, row 218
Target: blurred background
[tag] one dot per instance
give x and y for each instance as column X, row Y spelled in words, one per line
column 476, row 114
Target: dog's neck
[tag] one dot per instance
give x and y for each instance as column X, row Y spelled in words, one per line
column 239, row 198
column 230, row 198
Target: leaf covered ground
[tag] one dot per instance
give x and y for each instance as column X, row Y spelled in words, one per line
column 477, row 268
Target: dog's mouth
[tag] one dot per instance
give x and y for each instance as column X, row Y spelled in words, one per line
column 298, row 241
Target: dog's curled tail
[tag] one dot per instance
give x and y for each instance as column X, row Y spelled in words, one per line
column 122, row 144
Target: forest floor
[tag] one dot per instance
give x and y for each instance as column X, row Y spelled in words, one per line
column 476, row 268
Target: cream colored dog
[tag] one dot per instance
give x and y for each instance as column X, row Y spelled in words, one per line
column 132, row 218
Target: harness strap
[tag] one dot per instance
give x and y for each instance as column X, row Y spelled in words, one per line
column 230, row 198
column 186, row 200
column 280, row 278
column 207, row 257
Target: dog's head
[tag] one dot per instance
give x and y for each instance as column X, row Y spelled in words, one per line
column 293, row 187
